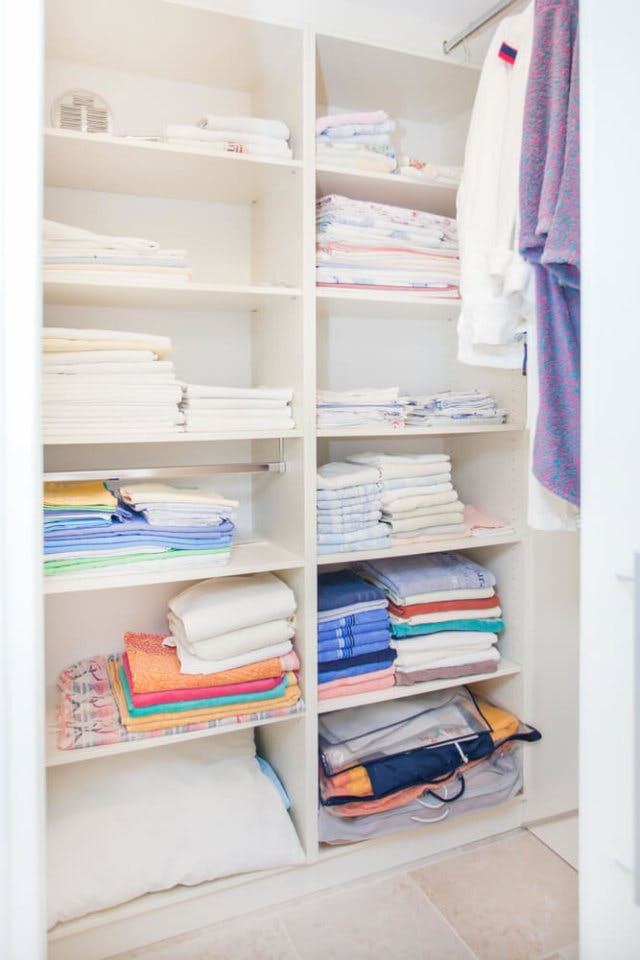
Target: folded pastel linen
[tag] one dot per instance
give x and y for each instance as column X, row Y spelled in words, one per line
column 214, row 607
column 427, row 510
column 196, row 390
column 350, row 610
column 349, row 119
column 443, row 615
column 451, row 531
column 345, row 131
column 109, row 359
column 197, row 693
column 349, row 498
column 54, row 233
column 211, row 404
column 376, row 543
column 67, row 339
column 236, row 642
column 472, row 668
column 263, row 126
column 154, row 492
column 402, row 577
column 156, row 668
column 184, row 718
column 491, row 625
column 426, row 521
column 443, row 658
column 349, row 526
column 416, row 498
column 71, row 494
column 449, row 640
column 356, row 666
column 367, row 683
column 395, row 467
column 372, row 531
column 340, row 475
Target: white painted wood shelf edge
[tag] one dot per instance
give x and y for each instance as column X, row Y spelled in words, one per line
column 420, row 431
column 185, row 296
column 506, row 668
column 256, row 557
column 65, row 440
column 417, row 549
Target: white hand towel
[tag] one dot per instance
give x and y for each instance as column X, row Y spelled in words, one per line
column 261, row 125
column 237, row 641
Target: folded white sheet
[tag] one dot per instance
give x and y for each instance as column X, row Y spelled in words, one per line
column 414, row 498
column 148, row 491
column 64, row 233
column 66, row 339
column 87, row 357
column 421, row 523
column 337, row 475
column 216, row 607
column 424, row 662
column 195, row 665
column 394, row 468
column 446, row 640
column 238, row 393
column 237, row 641
column 260, row 125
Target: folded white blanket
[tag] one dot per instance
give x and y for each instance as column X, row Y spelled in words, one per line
column 151, row 492
column 395, row 468
column 424, row 662
column 445, row 531
column 260, row 125
column 336, row 476
column 238, row 393
column 455, row 506
column 445, row 642
column 437, row 596
column 195, row 666
column 359, row 395
column 236, row 642
column 215, row 607
column 87, row 357
column 64, row 233
column 231, row 403
column 66, row 339
column 414, row 498
column 181, row 131
column 93, row 372
column 402, row 525
column 243, row 415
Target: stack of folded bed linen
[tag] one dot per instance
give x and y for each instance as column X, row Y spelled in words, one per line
column 444, row 614
column 349, row 501
column 418, row 499
column 366, row 407
column 73, row 254
column 354, row 651
column 446, row 176
column 232, row 409
column 87, row 527
column 359, row 141
column 402, row 764
column 229, row 659
column 257, row 136
column 187, row 813
column 99, row 383
column 454, row 409
column 368, row 245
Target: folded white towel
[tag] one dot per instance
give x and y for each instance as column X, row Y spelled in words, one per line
column 359, row 395
column 195, row 666
column 238, row 393
column 177, row 131
column 74, row 359
column 236, row 642
column 67, row 339
column 267, row 128
column 64, row 233
column 151, row 492
column 336, row 476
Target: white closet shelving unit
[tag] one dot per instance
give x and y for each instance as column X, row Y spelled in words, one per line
column 251, row 316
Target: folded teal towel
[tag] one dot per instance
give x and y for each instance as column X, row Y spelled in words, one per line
column 399, row 630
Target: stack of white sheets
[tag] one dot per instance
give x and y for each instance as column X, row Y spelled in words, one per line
column 70, row 253
column 236, row 409
column 218, row 625
column 454, row 409
column 222, row 134
column 359, row 141
column 418, row 498
column 367, row 407
column 165, row 505
column 108, row 382
column 349, row 501
column 368, row 245
column 446, row 176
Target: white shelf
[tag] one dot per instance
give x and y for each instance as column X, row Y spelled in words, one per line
column 389, row 188
column 54, row 757
column 177, row 296
column 417, row 549
column 119, row 165
column 258, row 557
column 368, row 303
column 381, row 432
column 506, row 668
column 183, row 437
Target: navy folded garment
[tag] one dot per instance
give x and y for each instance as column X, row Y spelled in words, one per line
column 342, row 588
column 360, row 660
column 350, row 671
column 330, row 656
column 353, row 643
column 367, row 620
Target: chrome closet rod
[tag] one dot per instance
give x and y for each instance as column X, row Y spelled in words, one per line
column 477, row 24
column 148, row 473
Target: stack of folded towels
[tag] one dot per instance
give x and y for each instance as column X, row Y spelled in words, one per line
column 233, row 409
column 253, row 135
column 366, row 407
column 86, row 527
column 418, row 498
column 454, row 408
column 107, row 382
column 398, row 765
column 71, row 253
column 447, row 176
column 371, row 245
column 230, row 657
column 357, row 140
column 349, row 499
column 444, row 612
column 354, row 653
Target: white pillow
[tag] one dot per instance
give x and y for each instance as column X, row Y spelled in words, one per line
column 127, row 825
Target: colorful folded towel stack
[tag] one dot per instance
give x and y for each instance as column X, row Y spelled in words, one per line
column 368, row 245
column 401, row 764
column 223, row 134
column 444, row 613
column 354, row 652
column 98, row 383
column 418, row 499
column 73, row 254
column 454, row 409
column 360, row 408
column 233, row 409
column 86, row 527
column 349, row 500
column 359, row 141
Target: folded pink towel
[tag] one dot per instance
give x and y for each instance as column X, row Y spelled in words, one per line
column 339, row 119
column 198, row 693
column 363, row 683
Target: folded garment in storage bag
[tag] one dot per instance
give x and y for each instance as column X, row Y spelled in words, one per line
column 489, row 783
column 123, row 826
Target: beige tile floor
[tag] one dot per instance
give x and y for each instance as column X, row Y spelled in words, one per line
column 506, row 899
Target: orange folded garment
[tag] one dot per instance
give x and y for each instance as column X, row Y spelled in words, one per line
column 183, row 718
column 356, row 783
column 156, row 668
column 440, row 606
